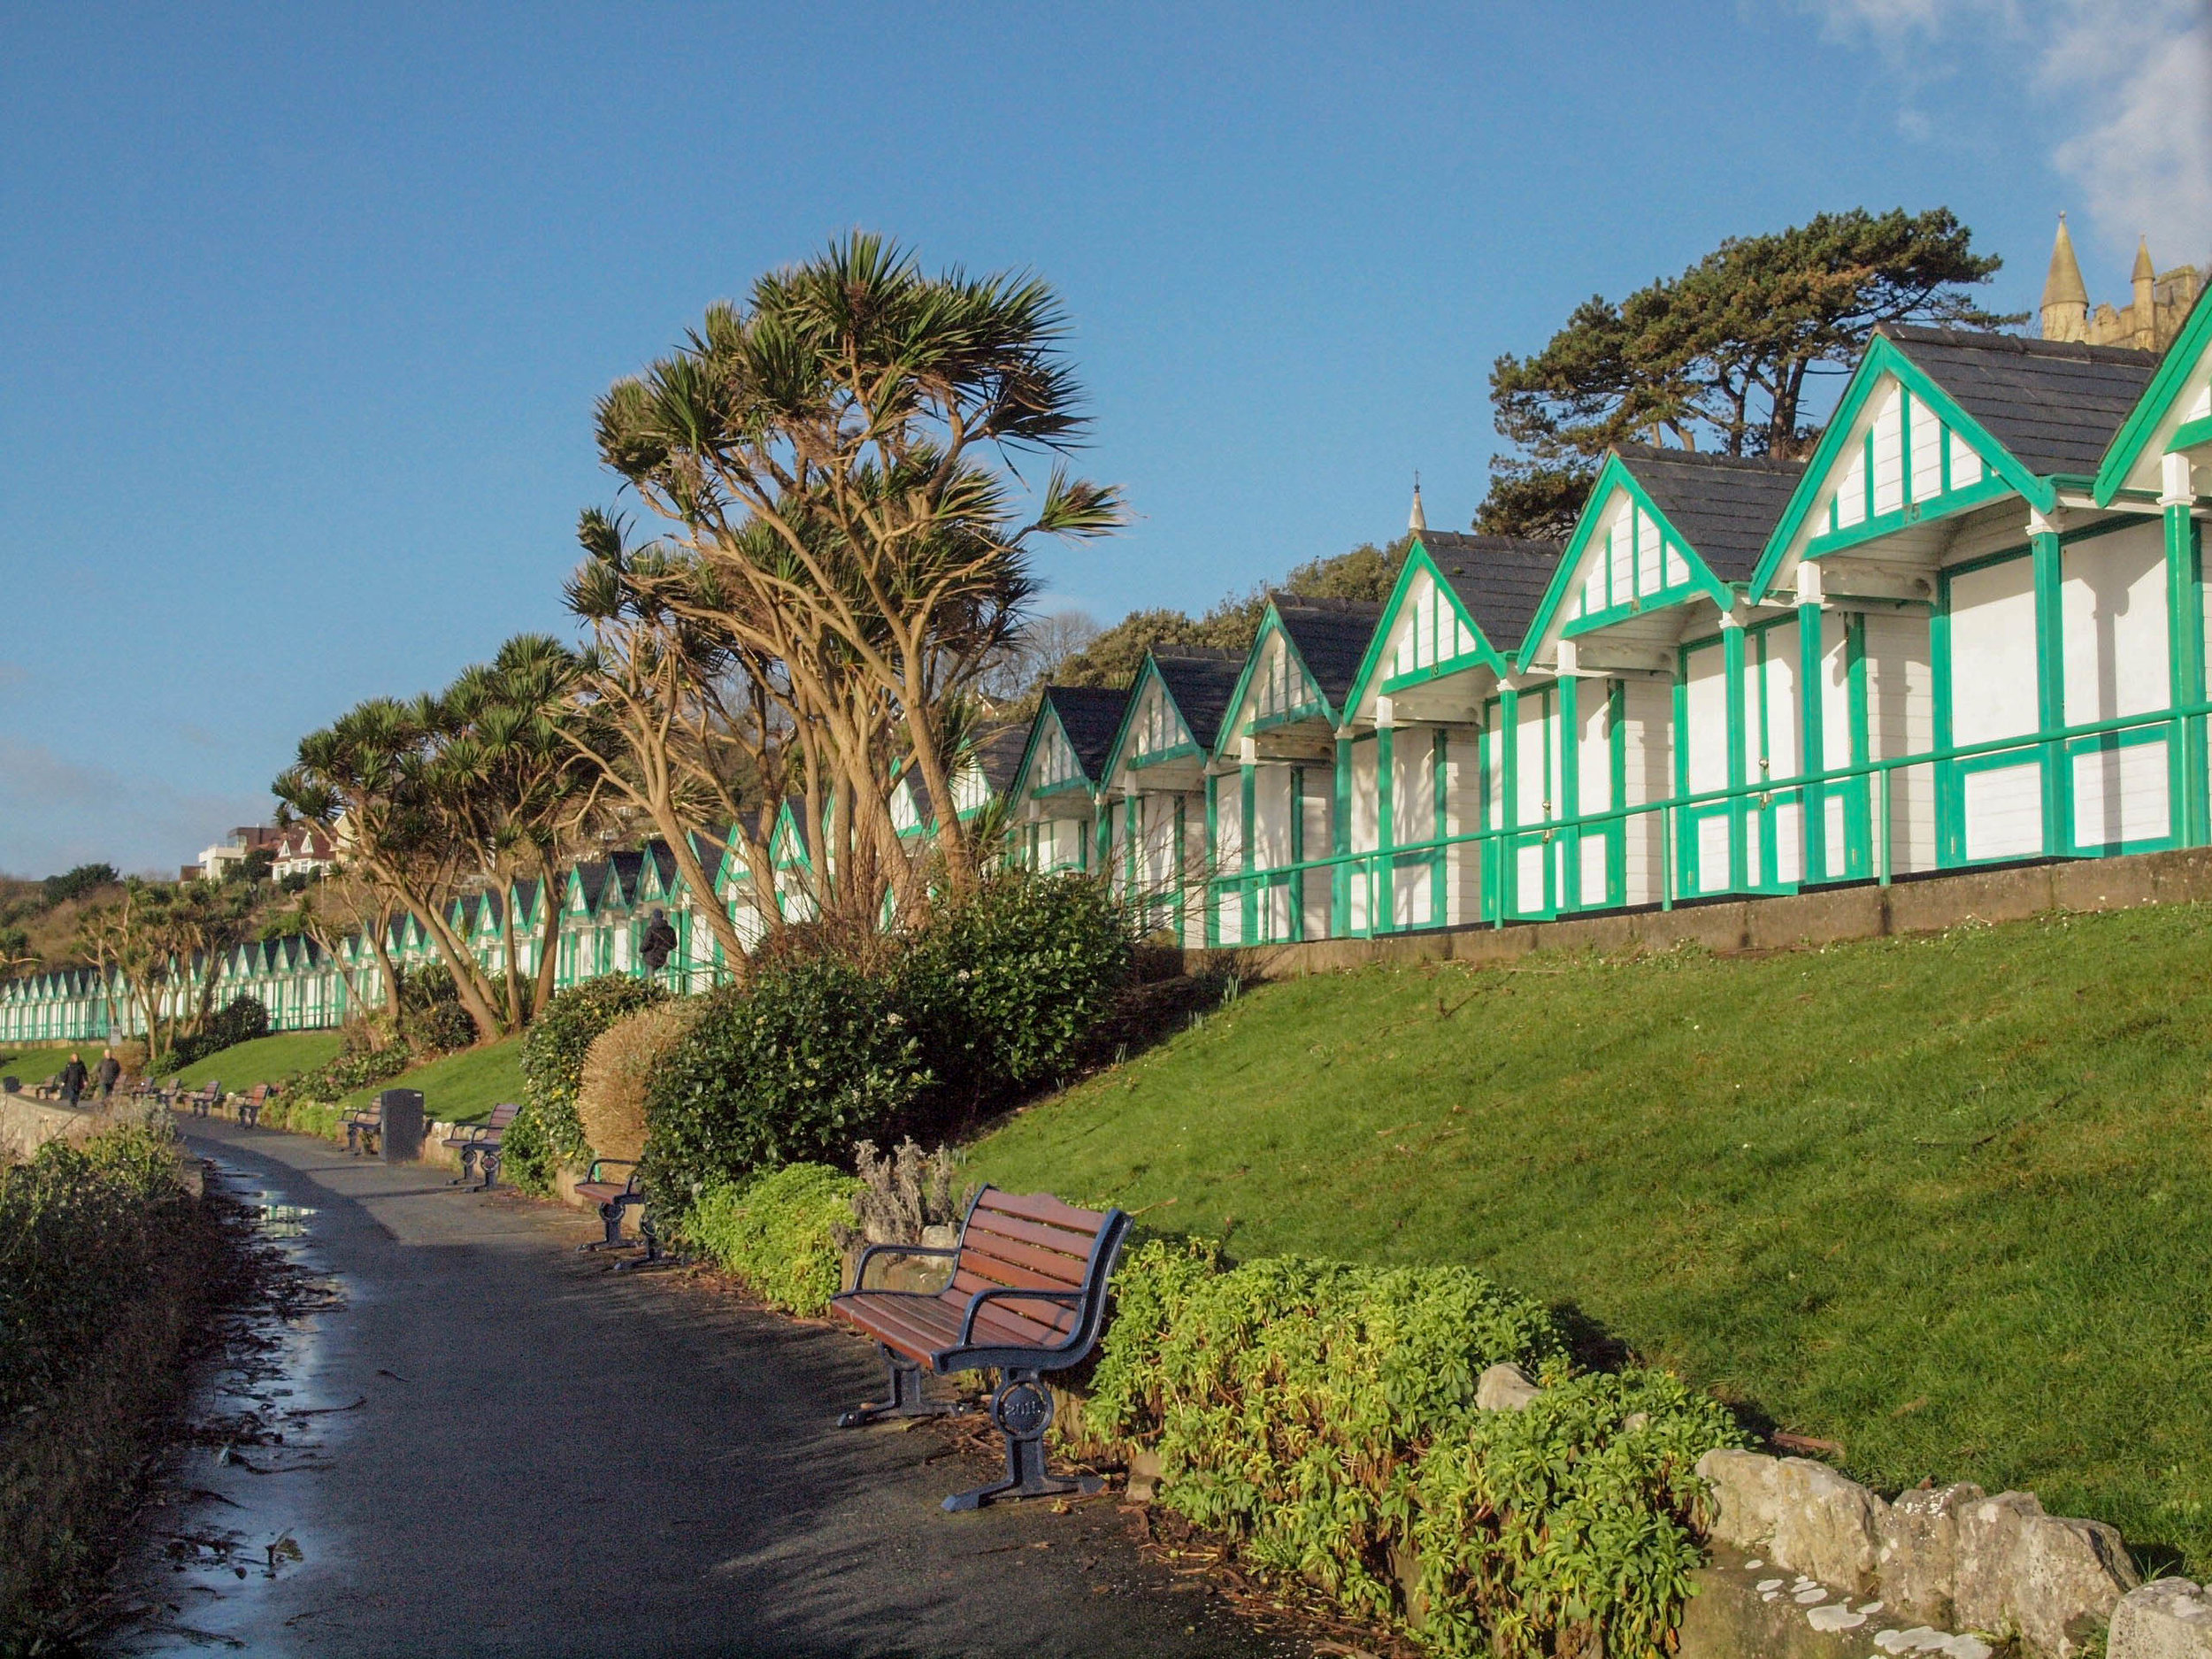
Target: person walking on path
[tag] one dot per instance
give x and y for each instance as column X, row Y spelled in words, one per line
column 73, row 1081
column 111, row 1071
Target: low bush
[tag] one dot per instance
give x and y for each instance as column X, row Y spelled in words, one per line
column 547, row 1133
column 796, row 1065
column 109, row 1271
column 355, row 1065
column 430, row 1017
column 781, row 1234
column 1325, row 1415
column 1007, row 989
column 242, row 1021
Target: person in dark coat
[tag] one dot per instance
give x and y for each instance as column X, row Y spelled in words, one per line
column 73, row 1077
column 110, row 1073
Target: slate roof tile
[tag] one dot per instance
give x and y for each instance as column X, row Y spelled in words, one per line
column 1201, row 680
column 1725, row 506
column 1500, row 579
column 1331, row 636
column 1090, row 714
column 2053, row 404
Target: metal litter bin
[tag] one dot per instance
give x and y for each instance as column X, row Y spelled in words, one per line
column 400, row 1141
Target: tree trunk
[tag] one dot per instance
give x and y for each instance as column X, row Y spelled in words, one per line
column 516, row 1013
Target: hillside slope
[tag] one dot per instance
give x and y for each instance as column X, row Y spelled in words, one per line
column 1944, row 1200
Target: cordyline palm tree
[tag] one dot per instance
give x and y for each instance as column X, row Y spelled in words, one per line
column 166, row 944
column 366, row 779
column 838, row 450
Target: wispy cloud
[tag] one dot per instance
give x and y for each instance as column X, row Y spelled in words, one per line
column 56, row 813
column 2125, row 85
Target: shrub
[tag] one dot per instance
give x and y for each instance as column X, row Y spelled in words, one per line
column 781, row 1233
column 1574, row 1511
column 243, row 1021
column 430, row 1017
column 109, row 1275
column 903, row 1191
column 1325, row 1415
column 618, row 1067
column 1006, row 989
column 808, row 1057
column 546, row 1132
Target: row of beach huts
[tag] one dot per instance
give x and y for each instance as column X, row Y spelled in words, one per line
column 1969, row 630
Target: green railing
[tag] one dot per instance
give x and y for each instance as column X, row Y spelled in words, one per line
column 1376, row 868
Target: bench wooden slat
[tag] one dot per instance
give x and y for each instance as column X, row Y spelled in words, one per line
column 1051, row 1319
column 1042, row 1207
column 1076, row 1246
column 922, row 1325
column 1024, row 1263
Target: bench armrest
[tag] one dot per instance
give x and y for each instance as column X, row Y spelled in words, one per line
column 976, row 1302
column 597, row 1164
column 860, row 1268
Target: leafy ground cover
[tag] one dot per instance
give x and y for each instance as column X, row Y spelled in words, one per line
column 1942, row 1200
column 455, row 1088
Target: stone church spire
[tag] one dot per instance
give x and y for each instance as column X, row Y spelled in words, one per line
column 2065, row 295
column 1419, row 520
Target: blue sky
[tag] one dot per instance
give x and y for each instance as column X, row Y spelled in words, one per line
column 305, row 307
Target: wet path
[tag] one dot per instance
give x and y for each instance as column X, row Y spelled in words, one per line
column 492, row 1445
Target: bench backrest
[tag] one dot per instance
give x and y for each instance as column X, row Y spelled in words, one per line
column 502, row 1115
column 1034, row 1242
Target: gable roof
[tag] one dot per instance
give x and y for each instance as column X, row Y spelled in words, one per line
column 1331, row 636
column 1724, row 506
column 1201, row 680
column 1090, row 716
column 2160, row 411
column 2053, row 404
column 998, row 756
column 1500, row 579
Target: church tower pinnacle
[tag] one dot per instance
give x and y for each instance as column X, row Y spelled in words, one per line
column 1418, row 521
column 2065, row 295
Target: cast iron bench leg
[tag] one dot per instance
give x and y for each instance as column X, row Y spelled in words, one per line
column 468, row 1168
column 650, row 1239
column 1022, row 1407
column 906, row 1401
column 489, row 1164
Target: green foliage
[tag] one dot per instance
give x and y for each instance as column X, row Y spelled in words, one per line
column 1006, row 989
column 779, row 1233
column 74, row 884
column 1367, row 572
column 1575, row 1511
column 1288, row 1398
column 1325, row 1415
column 80, row 1232
column 1718, row 358
column 244, row 1020
column 547, row 1133
column 811, row 1056
column 353, row 1067
column 430, row 1017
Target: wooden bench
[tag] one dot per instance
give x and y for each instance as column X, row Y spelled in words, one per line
column 248, row 1105
column 363, row 1125
column 479, row 1145
column 614, row 1197
column 201, row 1099
column 1028, row 1295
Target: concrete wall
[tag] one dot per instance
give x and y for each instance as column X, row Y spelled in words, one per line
column 1926, row 904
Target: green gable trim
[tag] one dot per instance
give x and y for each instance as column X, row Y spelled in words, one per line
column 1235, row 728
column 1147, row 673
column 1418, row 559
column 2151, row 409
column 1885, row 358
column 2189, row 434
column 1914, row 512
column 1037, row 731
column 1615, row 475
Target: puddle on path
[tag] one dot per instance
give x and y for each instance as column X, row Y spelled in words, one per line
column 231, row 1515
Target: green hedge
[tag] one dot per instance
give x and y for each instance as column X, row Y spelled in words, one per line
column 1325, row 1415
column 546, row 1132
column 779, row 1234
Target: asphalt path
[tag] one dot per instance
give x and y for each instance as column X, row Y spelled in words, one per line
column 491, row 1444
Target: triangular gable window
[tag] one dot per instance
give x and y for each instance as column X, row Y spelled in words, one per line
column 1630, row 563
column 1056, row 764
column 1901, row 462
column 1427, row 633
column 1154, row 727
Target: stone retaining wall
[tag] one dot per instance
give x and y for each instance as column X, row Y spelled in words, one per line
column 1920, row 905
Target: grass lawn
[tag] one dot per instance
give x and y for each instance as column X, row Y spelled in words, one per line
column 1945, row 1200
column 265, row 1059
column 33, row 1066
column 457, row 1088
